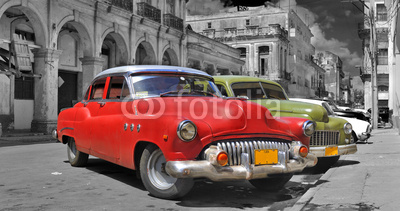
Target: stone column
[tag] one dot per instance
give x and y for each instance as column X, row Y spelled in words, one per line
column 46, row 90
column 91, row 66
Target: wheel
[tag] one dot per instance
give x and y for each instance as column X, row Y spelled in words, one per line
column 156, row 180
column 76, row 158
column 354, row 137
column 272, row 183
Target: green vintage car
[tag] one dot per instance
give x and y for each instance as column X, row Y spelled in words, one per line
column 332, row 137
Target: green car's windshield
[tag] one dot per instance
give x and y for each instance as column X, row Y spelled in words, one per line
column 328, row 109
column 258, row 90
column 172, row 85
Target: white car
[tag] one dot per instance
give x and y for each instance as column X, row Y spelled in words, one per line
column 361, row 129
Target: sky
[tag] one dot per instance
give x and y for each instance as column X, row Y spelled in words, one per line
column 333, row 23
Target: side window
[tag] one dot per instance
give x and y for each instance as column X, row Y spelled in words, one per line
column 115, row 88
column 222, row 89
column 125, row 90
column 98, row 89
column 87, row 94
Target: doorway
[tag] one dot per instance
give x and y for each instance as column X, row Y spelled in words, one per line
column 67, row 89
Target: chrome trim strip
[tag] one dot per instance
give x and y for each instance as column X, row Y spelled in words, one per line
column 66, row 128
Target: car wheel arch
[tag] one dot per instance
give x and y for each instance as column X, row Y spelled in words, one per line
column 138, row 151
column 65, row 139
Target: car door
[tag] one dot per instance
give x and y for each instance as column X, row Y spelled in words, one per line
column 110, row 121
column 87, row 114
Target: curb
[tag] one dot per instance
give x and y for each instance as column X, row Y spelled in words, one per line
column 309, row 195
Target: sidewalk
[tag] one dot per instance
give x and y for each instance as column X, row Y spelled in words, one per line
column 24, row 137
column 367, row 180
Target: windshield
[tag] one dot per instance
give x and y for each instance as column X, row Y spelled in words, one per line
column 333, row 106
column 328, row 109
column 258, row 90
column 172, row 85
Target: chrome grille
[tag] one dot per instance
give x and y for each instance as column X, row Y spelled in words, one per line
column 324, row 138
column 236, row 148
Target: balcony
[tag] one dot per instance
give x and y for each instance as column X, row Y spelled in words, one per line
column 173, row 21
column 363, row 30
column 250, row 32
column 149, row 11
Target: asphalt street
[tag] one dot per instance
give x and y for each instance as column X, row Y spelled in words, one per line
column 35, row 175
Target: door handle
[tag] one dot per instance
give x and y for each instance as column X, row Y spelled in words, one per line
column 101, row 103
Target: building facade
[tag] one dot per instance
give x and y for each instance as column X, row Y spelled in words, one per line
column 393, row 22
column 334, row 75
column 51, row 50
column 274, row 43
column 383, row 86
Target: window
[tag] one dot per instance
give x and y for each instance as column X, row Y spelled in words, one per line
column 381, row 12
column 98, row 89
column 263, row 50
column 263, row 66
column 247, row 22
column 242, row 53
column 383, row 88
column 383, row 57
column 24, row 88
column 222, row 89
column 115, row 88
column 87, row 94
column 171, row 7
column 209, row 25
column 249, row 89
column 273, row 91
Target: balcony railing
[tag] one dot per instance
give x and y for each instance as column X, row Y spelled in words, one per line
column 149, row 12
column 248, row 33
column 173, row 21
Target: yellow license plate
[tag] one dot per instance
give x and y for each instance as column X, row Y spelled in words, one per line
column 265, row 156
column 329, row 151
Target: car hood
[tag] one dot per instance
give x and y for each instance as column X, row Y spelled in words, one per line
column 218, row 116
column 359, row 126
column 293, row 108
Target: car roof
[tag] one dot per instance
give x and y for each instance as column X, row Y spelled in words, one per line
column 241, row 78
column 132, row 69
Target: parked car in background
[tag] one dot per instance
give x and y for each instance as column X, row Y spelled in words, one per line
column 349, row 113
column 333, row 135
column 361, row 129
column 172, row 125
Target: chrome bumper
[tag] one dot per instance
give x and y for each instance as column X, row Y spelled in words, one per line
column 342, row 150
column 206, row 169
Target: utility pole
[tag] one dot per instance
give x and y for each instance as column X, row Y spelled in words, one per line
column 373, row 57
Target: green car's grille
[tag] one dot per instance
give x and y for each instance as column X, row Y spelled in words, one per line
column 324, row 138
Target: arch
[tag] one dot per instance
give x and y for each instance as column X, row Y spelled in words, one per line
column 145, row 54
column 170, row 58
column 32, row 13
column 120, row 51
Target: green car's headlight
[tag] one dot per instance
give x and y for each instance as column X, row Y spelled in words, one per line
column 347, row 128
column 309, row 128
column 187, row 130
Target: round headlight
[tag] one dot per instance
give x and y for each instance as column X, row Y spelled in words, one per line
column 187, row 130
column 347, row 128
column 309, row 128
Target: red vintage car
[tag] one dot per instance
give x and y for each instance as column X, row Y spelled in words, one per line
column 172, row 125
